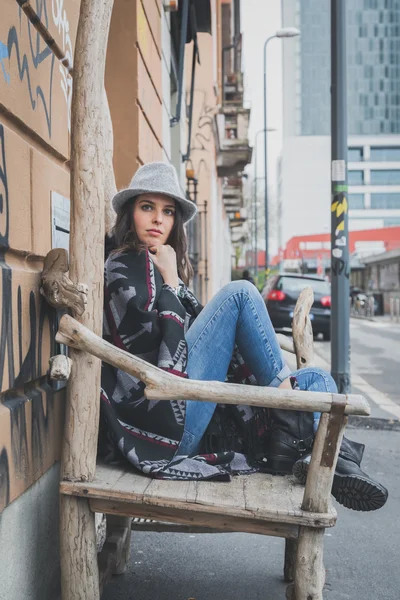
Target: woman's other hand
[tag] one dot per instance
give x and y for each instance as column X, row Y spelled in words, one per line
column 164, row 257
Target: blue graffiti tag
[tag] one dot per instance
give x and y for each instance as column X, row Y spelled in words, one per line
column 4, row 214
column 38, row 55
column 3, row 57
column 24, row 73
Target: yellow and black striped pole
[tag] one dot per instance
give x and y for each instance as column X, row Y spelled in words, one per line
column 340, row 263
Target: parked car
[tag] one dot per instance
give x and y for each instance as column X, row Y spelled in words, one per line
column 280, row 295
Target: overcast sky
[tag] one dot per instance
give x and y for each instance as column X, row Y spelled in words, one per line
column 259, row 20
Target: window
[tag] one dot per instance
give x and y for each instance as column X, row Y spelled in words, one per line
column 297, row 284
column 356, row 201
column 355, row 177
column 385, row 201
column 385, row 177
column 389, row 276
column 394, row 222
column 355, row 154
column 382, row 154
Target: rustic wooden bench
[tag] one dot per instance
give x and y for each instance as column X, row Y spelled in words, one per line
column 257, row 503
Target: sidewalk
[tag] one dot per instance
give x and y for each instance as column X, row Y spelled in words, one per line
column 386, row 319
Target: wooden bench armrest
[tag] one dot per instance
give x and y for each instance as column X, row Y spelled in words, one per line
column 164, row 386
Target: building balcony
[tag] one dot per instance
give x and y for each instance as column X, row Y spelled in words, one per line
column 233, row 90
column 233, row 150
column 232, row 192
column 237, row 217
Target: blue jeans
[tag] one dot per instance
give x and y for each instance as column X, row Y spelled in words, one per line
column 237, row 315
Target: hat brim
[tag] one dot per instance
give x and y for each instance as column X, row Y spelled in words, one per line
column 189, row 209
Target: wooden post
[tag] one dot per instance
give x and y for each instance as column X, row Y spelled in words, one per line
column 309, row 571
column 110, row 186
column 290, row 559
column 78, row 550
column 304, row 349
column 87, row 229
column 302, row 329
column 80, row 579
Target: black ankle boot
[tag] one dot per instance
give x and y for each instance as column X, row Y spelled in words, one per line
column 291, row 437
column 351, row 486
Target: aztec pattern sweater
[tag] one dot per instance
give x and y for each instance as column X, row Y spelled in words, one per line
column 143, row 316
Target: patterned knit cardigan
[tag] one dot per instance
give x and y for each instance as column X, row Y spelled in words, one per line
column 143, row 316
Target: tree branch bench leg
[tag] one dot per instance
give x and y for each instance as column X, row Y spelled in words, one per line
column 290, row 559
column 309, row 571
column 114, row 557
column 120, row 528
column 78, row 550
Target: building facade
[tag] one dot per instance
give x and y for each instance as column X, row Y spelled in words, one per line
column 312, row 253
column 373, row 81
column 381, row 275
column 161, row 110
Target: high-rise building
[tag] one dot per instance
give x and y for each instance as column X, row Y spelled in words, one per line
column 373, row 92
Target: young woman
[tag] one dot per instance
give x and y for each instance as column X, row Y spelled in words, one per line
column 150, row 312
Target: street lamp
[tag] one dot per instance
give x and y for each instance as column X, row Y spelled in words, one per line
column 286, row 32
column 255, row 237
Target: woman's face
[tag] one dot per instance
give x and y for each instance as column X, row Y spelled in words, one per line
column 153, row 218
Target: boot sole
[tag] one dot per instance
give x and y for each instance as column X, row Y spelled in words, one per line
column 352, row 491
column 300, row 470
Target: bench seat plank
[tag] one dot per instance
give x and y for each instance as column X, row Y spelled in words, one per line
column 262, row 501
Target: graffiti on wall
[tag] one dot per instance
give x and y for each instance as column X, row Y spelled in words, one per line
column 4, row 214
column 3, row 57
column 29, row 416
column 40, row 56
column 31, row 429
column 203, row 128
column 61, row 22
column 32, row 65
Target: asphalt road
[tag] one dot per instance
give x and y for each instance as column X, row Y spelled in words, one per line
column 362, row 552
column 374, row 357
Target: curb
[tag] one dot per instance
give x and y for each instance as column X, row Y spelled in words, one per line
column 363, row 318
column 374, row 319
column 374, row 423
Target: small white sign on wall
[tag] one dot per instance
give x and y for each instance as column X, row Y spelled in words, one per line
column 60, row 221
column 60, row 228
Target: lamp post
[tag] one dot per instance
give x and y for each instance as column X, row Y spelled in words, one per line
column 286, row 32
column 255, row 216
column 255, row 194
column 255, row 202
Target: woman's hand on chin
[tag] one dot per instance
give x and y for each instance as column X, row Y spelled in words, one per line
column 164, row 257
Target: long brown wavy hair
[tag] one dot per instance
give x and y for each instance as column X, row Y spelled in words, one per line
column 126, row 238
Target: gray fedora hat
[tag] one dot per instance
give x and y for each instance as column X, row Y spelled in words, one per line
column 156, row 178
